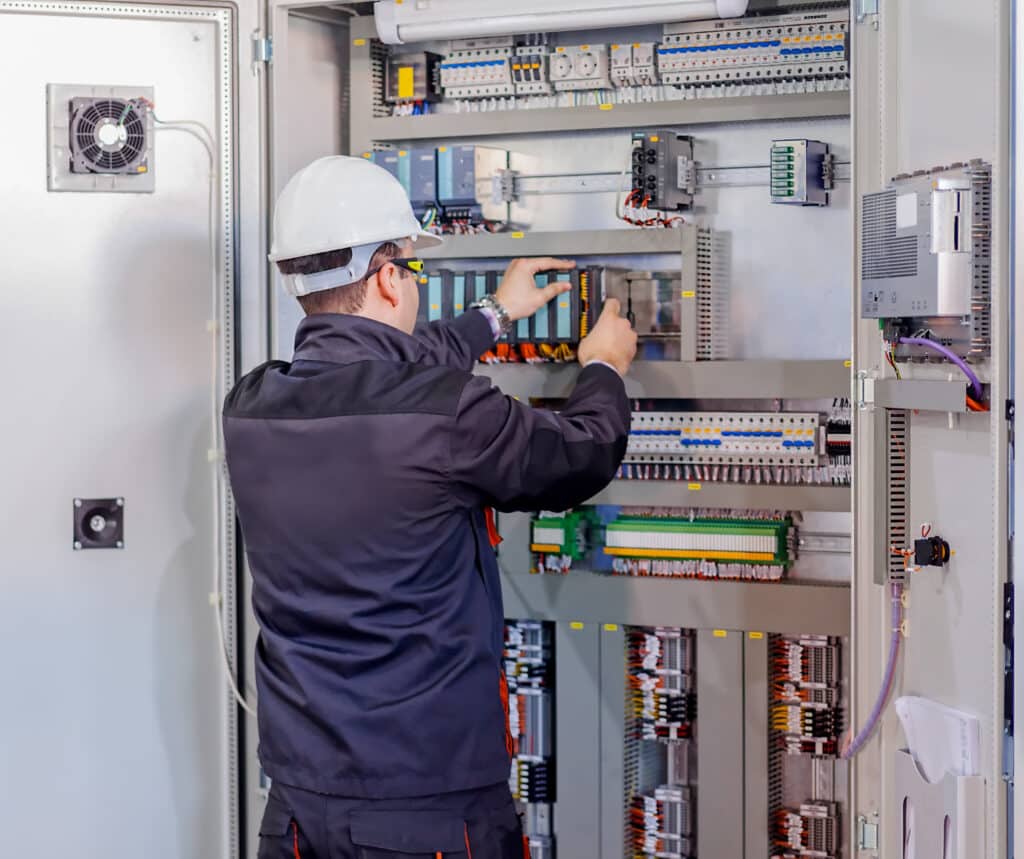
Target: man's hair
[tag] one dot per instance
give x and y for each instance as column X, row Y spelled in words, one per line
column 349, row 298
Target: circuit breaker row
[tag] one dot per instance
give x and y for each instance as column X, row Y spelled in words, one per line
column 691, row 56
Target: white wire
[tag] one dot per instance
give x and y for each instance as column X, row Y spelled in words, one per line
column 193, row 129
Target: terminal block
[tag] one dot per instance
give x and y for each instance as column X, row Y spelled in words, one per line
column 806, row 714
column 708, row 547
column 738, row 447
column 800, row 171
column 810, row 830
column 559, row 540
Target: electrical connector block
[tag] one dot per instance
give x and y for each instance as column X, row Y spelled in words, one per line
column 558, row 540
column 705, row 548
column 805, row 694
column 810, row 830
column 798, row 172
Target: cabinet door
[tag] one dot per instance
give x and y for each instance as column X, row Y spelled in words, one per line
column 932, row 88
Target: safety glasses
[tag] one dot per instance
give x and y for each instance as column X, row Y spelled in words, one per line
column 414, row 265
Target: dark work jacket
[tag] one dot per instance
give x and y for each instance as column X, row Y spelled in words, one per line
column 361, row 472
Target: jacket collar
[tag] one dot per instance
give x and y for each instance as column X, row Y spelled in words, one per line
column 339, row 338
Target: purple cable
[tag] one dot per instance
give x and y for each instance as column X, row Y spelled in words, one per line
column 950, row 355
column 887, row 681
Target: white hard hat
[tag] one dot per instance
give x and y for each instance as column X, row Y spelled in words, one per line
column 340, row 202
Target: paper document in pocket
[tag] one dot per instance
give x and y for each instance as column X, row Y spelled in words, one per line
column 940, row 739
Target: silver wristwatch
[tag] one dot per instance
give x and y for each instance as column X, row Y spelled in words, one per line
column 500, row 313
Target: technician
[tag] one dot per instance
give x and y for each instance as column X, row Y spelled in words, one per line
column 364, row 472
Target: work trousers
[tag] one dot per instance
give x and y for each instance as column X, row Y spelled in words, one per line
column 475, row 824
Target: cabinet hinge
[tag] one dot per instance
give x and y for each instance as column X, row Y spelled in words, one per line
column 262, row 48
column 865, row 8
column 867, row 832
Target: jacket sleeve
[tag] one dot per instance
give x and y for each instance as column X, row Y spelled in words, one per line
column 457, row 343
column 512, row 457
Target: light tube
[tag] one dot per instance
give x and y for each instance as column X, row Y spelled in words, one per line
column 402, row 21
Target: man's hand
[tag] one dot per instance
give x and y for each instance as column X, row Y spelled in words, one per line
column 519, row 293
column 613, row 340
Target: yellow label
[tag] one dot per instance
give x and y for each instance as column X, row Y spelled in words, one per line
column 435, row 306
column 402, row 153
column 559, row 50
column 847, row 364
column 575, row 625
column 607, row 106
column 367, row 155
column 756, row 636
column 720, row 633
column 359, row 42
column 636, row 44
column 563, row 303
column 142, row 169
column 406, row 81
column 689, row 293
column 655, row 138
column 458, row 307
column 584, row 47
column 694, row 487
column 442, row 148
column 518, row 235
column 615, row 47
column 611, row 627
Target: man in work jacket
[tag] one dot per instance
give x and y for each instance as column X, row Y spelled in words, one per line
column 363, row 472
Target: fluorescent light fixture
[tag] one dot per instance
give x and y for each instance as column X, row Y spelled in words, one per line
column 402, row 21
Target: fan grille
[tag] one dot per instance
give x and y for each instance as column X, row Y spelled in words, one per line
column 108, row 135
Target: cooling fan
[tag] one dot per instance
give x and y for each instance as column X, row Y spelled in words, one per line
column 108, row 135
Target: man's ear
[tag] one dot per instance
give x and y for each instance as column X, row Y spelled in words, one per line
column 387, row 284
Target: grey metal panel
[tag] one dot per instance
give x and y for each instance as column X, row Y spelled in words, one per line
column 719, row 743
column 755, row 745
column 932, row 395
column 675, row 113
column 123, row 723
column 932, row 87
column 613, row 730
column 592, row 598
column 699, row 380
column 578, row 735
column 738, row 496
column 568, row 243
column 308, row 92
